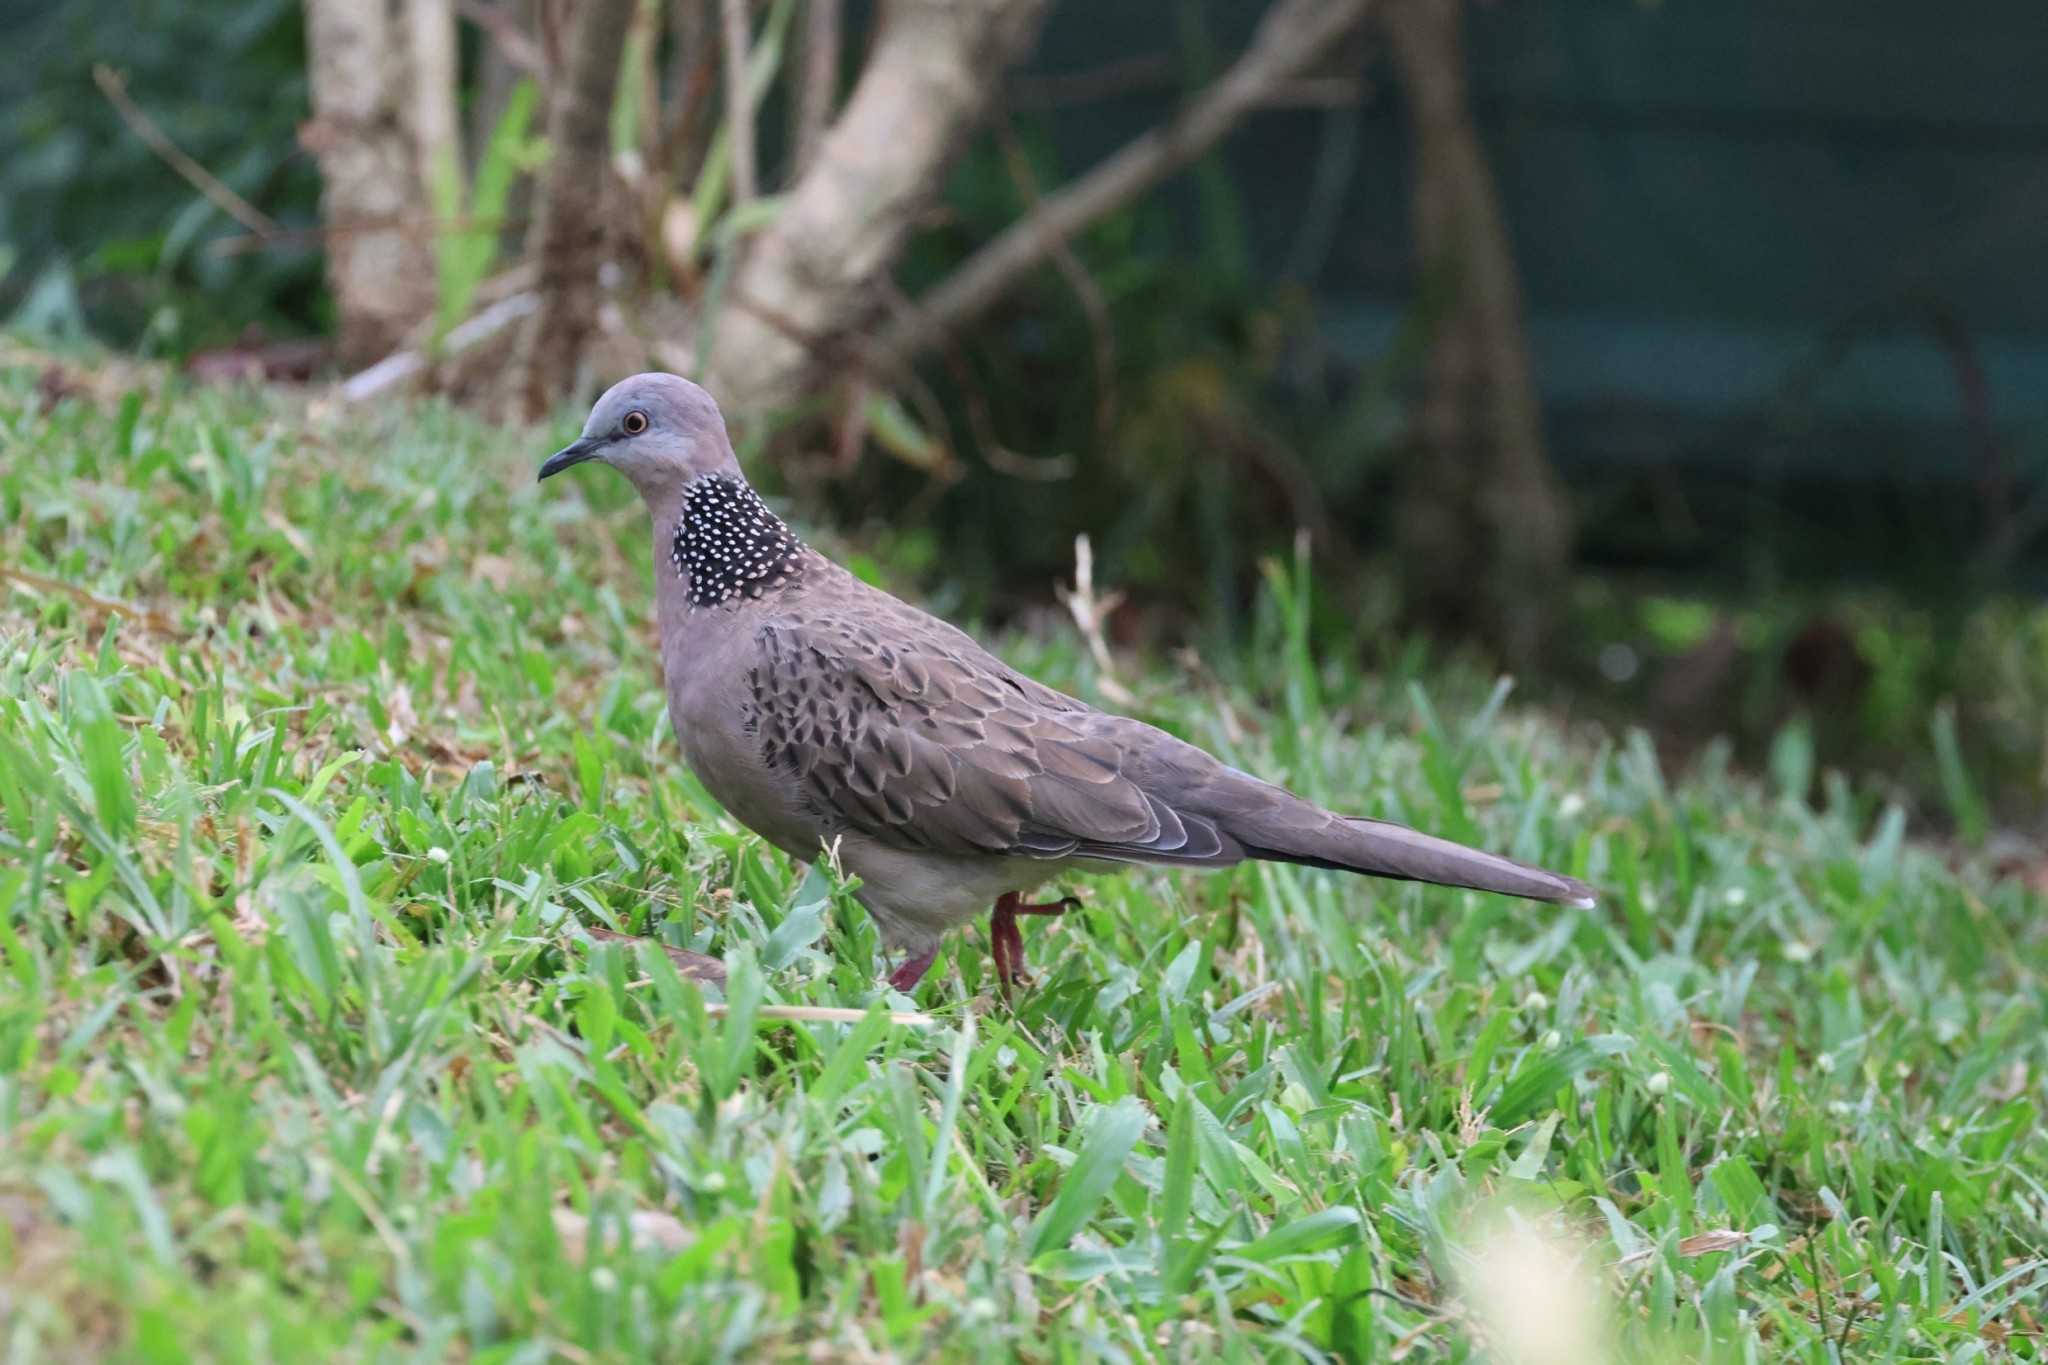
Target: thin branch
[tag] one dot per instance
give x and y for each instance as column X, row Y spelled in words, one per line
column 739, row 108
column 820, row 78
column 40, row 583
column 1318, row 92
column 974, row 401
column 400, row 366
column 1101, row 331
column 827, row 1014
column 114, row 86
column 1136, row 74
column 1289, row 37
column 244, row 243
column 518, row 49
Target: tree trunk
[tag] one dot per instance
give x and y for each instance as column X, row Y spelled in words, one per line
column 814, row 274
column 569, row 233
column 1483, row 529
column 379, row 248
column 436, row 134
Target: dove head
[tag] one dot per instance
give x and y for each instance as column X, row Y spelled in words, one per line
column 661, row 431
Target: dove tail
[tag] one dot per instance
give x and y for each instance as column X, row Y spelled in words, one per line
column 1380, row 849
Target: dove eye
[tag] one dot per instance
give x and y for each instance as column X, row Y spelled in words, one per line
column 635, row 423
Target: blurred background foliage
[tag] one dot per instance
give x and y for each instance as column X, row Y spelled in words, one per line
column 102, row 237
column 1782, row 299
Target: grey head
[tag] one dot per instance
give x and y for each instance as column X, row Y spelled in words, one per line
column 659, row 430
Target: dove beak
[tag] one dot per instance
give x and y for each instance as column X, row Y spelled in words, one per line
column 575, row 453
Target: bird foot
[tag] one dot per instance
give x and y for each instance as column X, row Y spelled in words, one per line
column 1006, row 940
column 912, row 970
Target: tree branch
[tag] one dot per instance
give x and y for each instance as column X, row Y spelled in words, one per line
column 400, row 366
column 114, row 86
column 840, row 227
column 1290, row 36
column 507, row 32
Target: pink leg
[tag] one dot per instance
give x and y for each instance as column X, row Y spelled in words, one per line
column 1005, row 945
column 906, row 976
column 1006, row 940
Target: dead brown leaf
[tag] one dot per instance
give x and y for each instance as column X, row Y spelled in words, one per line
column 38, row 583
column 646, row 1230
column 692, row 966
column 1713, row 1240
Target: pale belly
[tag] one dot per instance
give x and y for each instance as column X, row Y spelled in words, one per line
column 916, row 896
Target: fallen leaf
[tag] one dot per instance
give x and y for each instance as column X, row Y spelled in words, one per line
column 646, row 1230
column 403, row 720
column 495, row 570
column 1713, row 1240
column 693, row 966
column 830, row 1014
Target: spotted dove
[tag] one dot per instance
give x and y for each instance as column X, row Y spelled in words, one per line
column 825, row 712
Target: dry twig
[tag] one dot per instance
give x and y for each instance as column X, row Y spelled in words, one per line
column 1101, row 331
column 396, row 368
column 36, row 582
column 820, row 80
column 512, row 44
column 739, row 109
column 114, row 86
column 1091, row 613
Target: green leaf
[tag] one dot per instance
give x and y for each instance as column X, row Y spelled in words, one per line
column 949, row 1113
column 102, row 748
column 1964, row 804
column 1178, row 1192
column 1491, row 1035
column 595, row 1014
column 800, row 928
column 1327, row 1228
column 589, row 771
column 853, row 1050
column 1107, row 1137
column 896, row 431
column 1741, row 1191
column 743, row 991
column 466, row 237
column 1529, row 1165
column 1538, row 1079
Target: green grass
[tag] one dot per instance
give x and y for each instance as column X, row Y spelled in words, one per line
column 339, row 729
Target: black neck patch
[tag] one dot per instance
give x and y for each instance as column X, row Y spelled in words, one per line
column 730, row 544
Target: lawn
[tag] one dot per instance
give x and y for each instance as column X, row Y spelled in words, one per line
column 327, row 740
